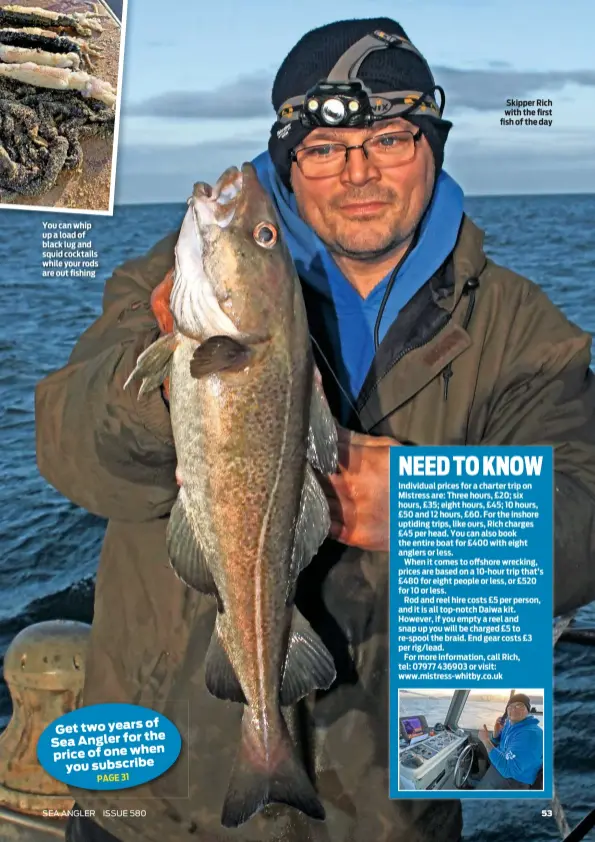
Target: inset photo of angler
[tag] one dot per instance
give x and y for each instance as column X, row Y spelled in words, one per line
column 59, row 71
column 483, row 739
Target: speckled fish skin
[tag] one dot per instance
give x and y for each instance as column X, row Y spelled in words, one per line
column 241, row 445
column 241, row 391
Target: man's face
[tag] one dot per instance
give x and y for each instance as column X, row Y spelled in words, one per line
column 517, row 711
column 366, row 211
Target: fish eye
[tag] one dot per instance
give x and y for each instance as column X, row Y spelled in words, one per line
column 265, row 234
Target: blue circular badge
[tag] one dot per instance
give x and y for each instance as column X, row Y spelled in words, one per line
column 110, row 746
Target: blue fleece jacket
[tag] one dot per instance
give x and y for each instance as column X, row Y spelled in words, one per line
column 519, row 750
column 346, row 314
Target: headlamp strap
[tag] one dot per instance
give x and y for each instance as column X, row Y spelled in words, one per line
column 391, row 103
column 350, row 62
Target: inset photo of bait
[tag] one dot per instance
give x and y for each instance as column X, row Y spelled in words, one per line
column 59, row 82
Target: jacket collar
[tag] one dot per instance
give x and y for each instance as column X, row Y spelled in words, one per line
column 428, row 334
column 468, row 261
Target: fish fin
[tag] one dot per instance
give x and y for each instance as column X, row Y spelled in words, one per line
column 278, row 778
column 185, row 553
column 220, row 678
column 311, row 529
column 322, row 437
column 309, row 665
column 153, row 365
column 219, row 353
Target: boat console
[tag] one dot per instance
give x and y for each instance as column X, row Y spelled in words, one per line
column 427, row 756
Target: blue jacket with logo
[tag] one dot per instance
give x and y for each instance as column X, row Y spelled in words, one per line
column 519, row 750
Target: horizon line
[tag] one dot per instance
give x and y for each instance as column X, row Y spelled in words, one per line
column 467, row 196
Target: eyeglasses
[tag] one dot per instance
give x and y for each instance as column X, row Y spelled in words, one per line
column 517, row 705
column 328, row 159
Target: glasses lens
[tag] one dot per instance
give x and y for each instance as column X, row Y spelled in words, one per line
column 321, row 161
column 389, row 150
column 386, row 150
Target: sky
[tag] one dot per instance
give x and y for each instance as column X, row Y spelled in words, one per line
column 198, row 75
column 434, row 693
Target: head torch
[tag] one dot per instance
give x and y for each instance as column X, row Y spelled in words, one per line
column 343, row 101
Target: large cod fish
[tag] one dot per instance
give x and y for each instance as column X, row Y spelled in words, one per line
column 250, row 422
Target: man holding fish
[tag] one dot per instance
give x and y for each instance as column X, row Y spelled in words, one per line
column 245, row 565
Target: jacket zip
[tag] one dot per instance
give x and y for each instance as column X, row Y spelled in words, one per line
column 469, row 289
column 406, row 351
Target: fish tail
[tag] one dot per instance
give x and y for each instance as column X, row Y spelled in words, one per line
column 260, row 778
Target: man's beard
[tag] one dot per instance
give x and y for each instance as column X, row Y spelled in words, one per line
column 337, row 244
column 367, row 255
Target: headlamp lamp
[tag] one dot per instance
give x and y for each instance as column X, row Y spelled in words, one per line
column 330, row 104
column 343, row 101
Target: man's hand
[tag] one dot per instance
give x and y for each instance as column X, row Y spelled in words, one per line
column 160, row 306
column 498, row 727
column 358, row 495
column 483, row 734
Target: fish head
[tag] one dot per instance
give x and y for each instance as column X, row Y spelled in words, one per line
column 234, row 275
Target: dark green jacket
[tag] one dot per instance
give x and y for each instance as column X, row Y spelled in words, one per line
column 479, row 356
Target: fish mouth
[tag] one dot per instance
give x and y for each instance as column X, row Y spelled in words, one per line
column 197, row 303
column 217, row 205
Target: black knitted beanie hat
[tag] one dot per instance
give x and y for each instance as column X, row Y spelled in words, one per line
column 314, row 56
column 520, row 697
